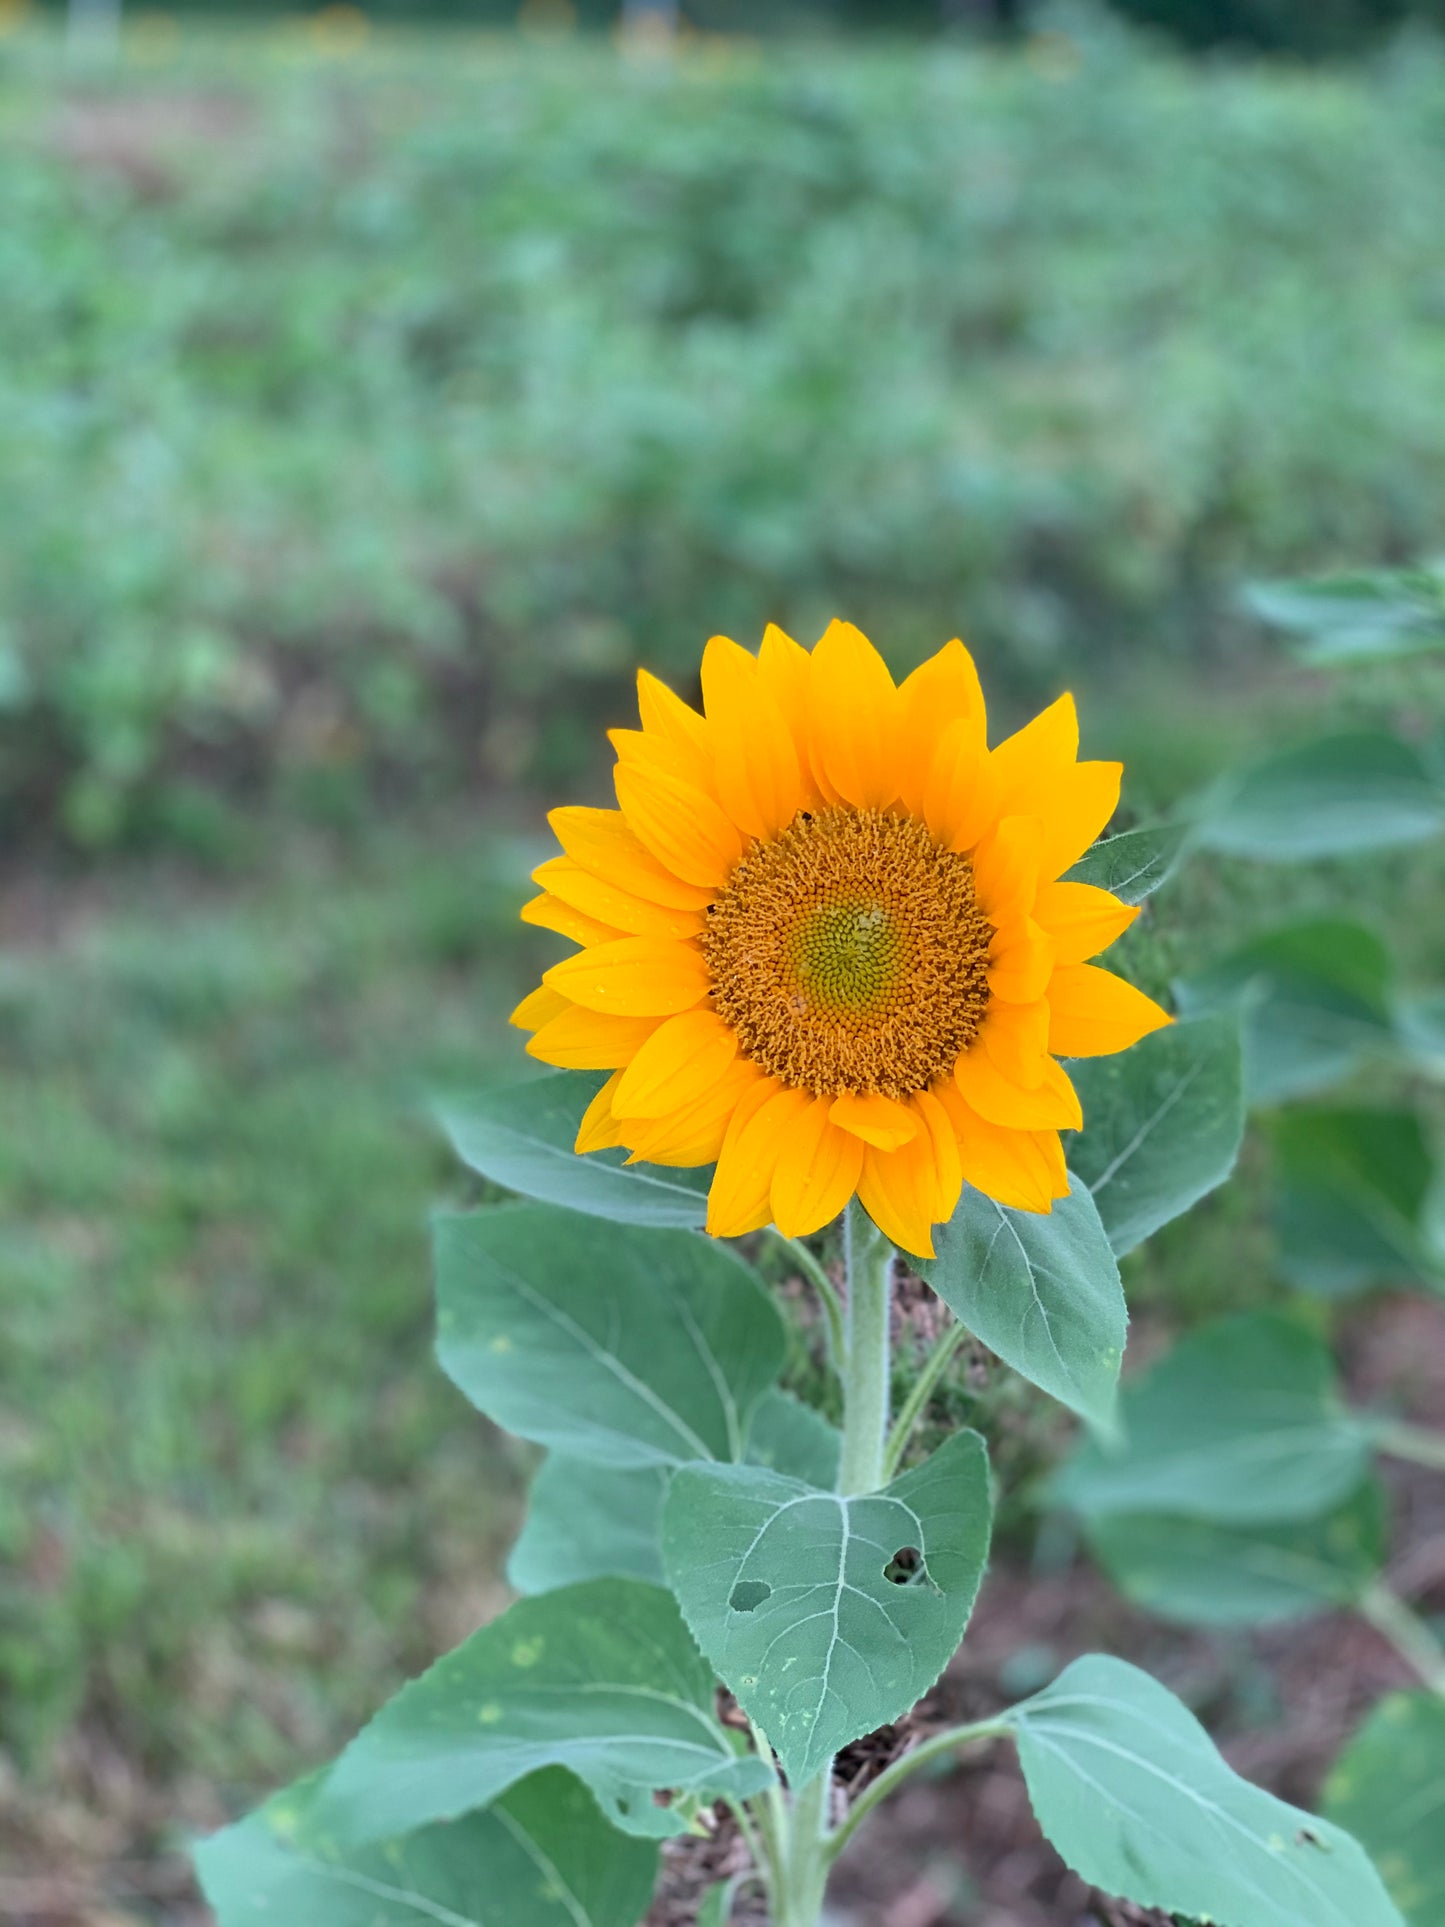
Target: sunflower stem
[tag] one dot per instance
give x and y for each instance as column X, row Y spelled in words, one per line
column 916, row 1404
column 866, row 1366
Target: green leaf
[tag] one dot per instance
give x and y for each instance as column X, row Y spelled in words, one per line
column 1163, row 1125
column 1388, row 1788
column 623, row 1346
column 1370, row 616
column 1354, row 1190
column 601, row 1678
column 1130, row 1789
column 1041, row 1291
column 1134, row 864
column 1205, row 1574
column 717, row 1905
column 1316, row 1002
column 587, row 1521
column 1339, row 796
column 787, row 1590
column 542, row 1854
column 521, row 1136
column 1240, row 1422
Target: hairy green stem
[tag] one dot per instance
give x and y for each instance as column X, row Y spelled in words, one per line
column 866, row 1368
column 1411, row 1638
column 1413, row 1442
column 933, row 1748
column 916, row 1403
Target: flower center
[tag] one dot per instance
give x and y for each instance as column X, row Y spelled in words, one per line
column 850, row 954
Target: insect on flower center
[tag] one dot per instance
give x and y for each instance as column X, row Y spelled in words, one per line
column 850, row 954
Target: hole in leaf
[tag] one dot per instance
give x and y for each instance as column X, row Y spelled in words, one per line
column 905, row 1568
column 748, row 1595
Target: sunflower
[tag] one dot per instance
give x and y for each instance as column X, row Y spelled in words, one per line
column 825, row 944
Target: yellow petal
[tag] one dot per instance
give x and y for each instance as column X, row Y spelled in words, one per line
column 855, row 716
column 941, row 692
column 1016, row 1038
column 878, row 1120
column 598, row 1130
column 633, row 977
column 584, row 1040
column 1093, row 1013
column 679, row 823
column 603, row 902
column 1075, row 810
column 693, row 1134
column 551, row 913
column 817, row 1172
column 757, row 773
column 676, row 1065
column 1051, row 1149
column 1006, row 869
column 947, row 1168
column 958, row 797
column 1020, row 962
column 1051, row 1105
column 740, row 1198
column 602, row 842
column 896, row 1189
column 1081, row 920
column 668, row 716
column 1012, row 1167
column 1028, row 763
column 783, row 671
column 538, row 1008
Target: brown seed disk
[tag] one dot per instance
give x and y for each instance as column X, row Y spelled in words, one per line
column 850, row 954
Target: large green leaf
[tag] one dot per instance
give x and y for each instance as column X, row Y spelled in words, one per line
column 1375, row 615
column 1388, row 1788
column 1163, row 1124
column 1240, row 1422
column 601, row 1678
column 1339, row 796
column 1202, row 1573
column 1352, row 1205
column 521, row 1136
column 1041, row 1291
column 624, row 1346
column 542, row 1854
column 1133, row 864
column 1316, row 1002
column 1131, row 1790
column 587, row 1521
column 800, row 1600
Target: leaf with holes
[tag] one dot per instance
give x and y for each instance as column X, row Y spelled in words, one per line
column 1134, row 864
column 1202, row 1573
column 1352, row 1207
column 522, row 1135
column 1131, row 1790
column 542, row 1854
column 601, row 1678
column 828, row 1616
column 623, row 1346
column 1042, row 1292
column 1241, row 1422
column 1388, row 1788
column 1340, row 796
column 1163, row 1125
column 1315, row 1001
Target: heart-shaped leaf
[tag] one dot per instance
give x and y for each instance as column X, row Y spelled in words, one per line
column 601, row 1678
column 1131, row 1790
column 624, row 1346
column 1387, row 1788
column 542, row 1854
column 1163, row 1123
column 522, row 1135
column 1339, row 796
column 1042, row 1292
column 828, row 1616
column 1241, row 1422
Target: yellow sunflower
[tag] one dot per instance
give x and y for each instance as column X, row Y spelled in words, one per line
column 825, row 944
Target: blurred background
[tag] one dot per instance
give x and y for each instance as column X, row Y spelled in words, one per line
column 377, row 389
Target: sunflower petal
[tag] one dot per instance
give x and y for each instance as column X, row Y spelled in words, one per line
column 666, row 715
column 1075, row 811
column 598, row 1130
column 679, row 823
column 693, row 1134
column 1016, row 1039
column 1006, row 869
column 947, row 1169
column 1014, row 1168
column 940, row 692
column 539, row 1007
column 741, row 1195
column 1051, row 1105
column 758, row 779
column 1081, row 919
column 896, row 1189
column 878, row 1120
column 1021, row 962
column 603, row 842
column 855, row 717
column 678, row 1063
column 633, row 977
column 603, row 902
column 1093, row 1013
column 958, row 801
column 817, row 1172
column 1028, row 763
column 585, row 1040
column 551, row 913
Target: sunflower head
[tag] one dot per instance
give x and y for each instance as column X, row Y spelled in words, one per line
column 825, row 943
